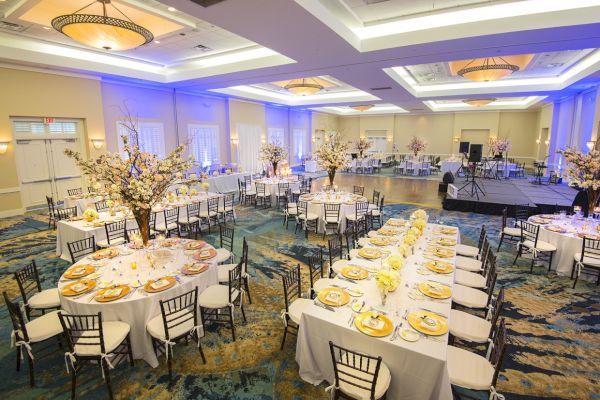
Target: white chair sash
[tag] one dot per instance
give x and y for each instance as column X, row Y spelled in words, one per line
column 20, row 344
column 331, row 389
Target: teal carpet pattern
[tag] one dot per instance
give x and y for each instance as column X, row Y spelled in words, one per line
column 554, row 349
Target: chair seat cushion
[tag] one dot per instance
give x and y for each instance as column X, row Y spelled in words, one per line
column 339, row 265
column 113, row 242
column 467, row 251
column 375, row 213
column 160, row 226
column 469, row 327
column 541, row 245
column 332, row 220
column 45, row 299
column 352, row 217
column 216, row 296
column 594, row 262
column 114, row 333
column 323, row 283
column 381, row 386
column 222, row 256
column 156, row 327
column 309, row 216
column 469, row 297
column 508, row 231
column 470, row 279
column 206, row 214
column 469, row 370
column 468, row 263
column 227, row 209
column 191, row 220
column 44, row 327
column 223, row 272
column 296, row 309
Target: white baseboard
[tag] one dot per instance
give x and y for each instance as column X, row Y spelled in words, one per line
column 12, row 213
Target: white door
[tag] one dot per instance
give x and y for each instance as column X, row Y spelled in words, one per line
column 66, row 174
column 34, row 172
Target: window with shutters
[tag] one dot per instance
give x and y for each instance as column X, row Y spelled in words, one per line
column 276, row 135
column 151, row 137
column 35, row 128
column 204, row 143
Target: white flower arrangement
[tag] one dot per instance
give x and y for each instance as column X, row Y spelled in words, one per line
column 362, row 145
column 583, row 171
column 332, row 154
column 498, row 145
column 272, row 152
column 417, row 145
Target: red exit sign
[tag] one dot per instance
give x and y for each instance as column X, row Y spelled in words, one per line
column 48, row 120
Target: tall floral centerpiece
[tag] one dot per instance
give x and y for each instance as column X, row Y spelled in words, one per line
column 362, row 145
column 137, row 180
column 332, row 155
column 499, row 146
column 583, row 171
column 273, row 153
column 416, row 145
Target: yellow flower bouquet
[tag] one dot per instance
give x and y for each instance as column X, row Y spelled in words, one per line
column 410, row 239
column 405, row 250
column 416, row 231
column 395, row 262
column 183, row 189
column 419, row 224
column 90, row 215
column 419, row 214
column 387, row 280
column 205, row 186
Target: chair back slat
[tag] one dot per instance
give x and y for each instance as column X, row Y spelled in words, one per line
column 83, row 331
column 28, row 281
column 359, row 190
column 590, row 249
column 361, row 209
column 213, row 205
column 101, row 205
column 355, row 369
column 16, row 318
column 81, row 248
column 315, row 266
column 226, row 236
column 498, row 349
column 335, row 249
column 530, row 231
column 171, row 216
column 65, row 213
column 376, row 195
column 332, row 212
column 115, row 230
column 497, row 311
column 75, row 192
column 482, row 236
column 235, row 283
column 292, row 285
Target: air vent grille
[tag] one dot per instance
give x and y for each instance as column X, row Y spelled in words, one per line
column 11, row 26
column 381, row 88
column 202, row 48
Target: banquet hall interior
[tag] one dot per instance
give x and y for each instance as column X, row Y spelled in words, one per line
column 300, row 199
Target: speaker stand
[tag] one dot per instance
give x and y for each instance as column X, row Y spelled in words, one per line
column 472, row 186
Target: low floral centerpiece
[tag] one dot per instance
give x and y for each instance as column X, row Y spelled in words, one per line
column 417, row 145
column 405, row 250
column 387, row 281
column 410, row 238
column 274, row 154
column 362, row 145
column 395, row 262
column 419, row 224
column 419, row 214
column 332, row 155
column 583, row 171
column 139, row 179
column 90, row 215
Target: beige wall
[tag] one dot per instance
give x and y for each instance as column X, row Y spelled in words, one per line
column 325, row 122
column 436, row 129
column 244, row 112
column 34, row 94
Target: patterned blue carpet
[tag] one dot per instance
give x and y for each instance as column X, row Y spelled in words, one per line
column 554, row 351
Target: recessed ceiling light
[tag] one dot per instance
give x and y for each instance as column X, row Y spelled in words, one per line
column 172, row 9
column 554, row 65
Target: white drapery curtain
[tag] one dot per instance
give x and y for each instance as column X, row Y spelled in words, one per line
column 204, row 143
column 299, row 146
column 276, row 135
column 249, row 137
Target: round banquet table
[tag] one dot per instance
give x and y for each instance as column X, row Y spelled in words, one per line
column 82, row 202
column 565, row 232
column 138, row 307
column 272, row 185
column 346, row 200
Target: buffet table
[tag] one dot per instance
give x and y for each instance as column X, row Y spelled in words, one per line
column 135, row 301
column 417, row 362
column 225, row 183
column 346, row 200
column 82, row 202
column 566, row 233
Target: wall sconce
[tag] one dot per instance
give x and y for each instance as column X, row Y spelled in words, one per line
column 537, row 141
column 235, row 140
column 97, row 143
column 546, row 142
column 389, row 139
column 4, row 147
column 263, row 140
column 590, row 144
column 456, row 139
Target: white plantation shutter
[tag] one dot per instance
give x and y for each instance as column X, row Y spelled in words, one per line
column 69, row 128
column 151, row 137
column 29, row 127
column 204, row 143
column 275, row 135
column 299, row 135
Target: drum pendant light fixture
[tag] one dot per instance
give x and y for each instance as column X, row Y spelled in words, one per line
column 487, row 69
column 102, row 31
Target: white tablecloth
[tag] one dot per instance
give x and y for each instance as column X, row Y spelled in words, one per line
column 416, row 165
column 311, row 166
column 225, row 183
column 568, row 243
column 138, row 308
column 70, row 231
column 418, row 369
column 317, row 201
column 272, row 185
column 449, row 166
column 82, row 203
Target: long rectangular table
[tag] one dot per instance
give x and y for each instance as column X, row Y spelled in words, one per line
column 418, row 369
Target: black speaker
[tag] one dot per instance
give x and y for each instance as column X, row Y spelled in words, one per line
column 475, row 153
column 463, row 147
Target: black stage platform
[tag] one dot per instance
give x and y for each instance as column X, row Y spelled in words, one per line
column 499, row 194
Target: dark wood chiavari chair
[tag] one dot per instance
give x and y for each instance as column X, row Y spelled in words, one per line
column 169, row 224
column 75, row 192
column 530, row 241
column 305, row 219
column 331, row 218
column 588, row 261
column 294, row 303
column 101, row 206
column 190, row 223
column 115, row 234
column 30, row 287
column 315, row 269
column 65, row 214
column 51, row 212
column 359, row 190
column 227, row 210
column 82, row 248
column 511, row 233
column 282, row 189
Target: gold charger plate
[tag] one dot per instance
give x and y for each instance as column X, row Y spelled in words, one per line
column 441, row 267
column 194, row 269
column 554, row 228
column 446, row 231
column 170, row 242
column 205, row 255
column 369, row 253
column 388, row 231
column 333, row 296
column 362, row 323
column 442, row 252
column 419, row 321
column 393, row 222
column 79, row 271
column 435, row 290
column 194, row 245
column 355, row 272
column 68, row 290
column 105, row 253
column 150, row 288
column 112, row 293
column 445, row 241
column 379, row 241
column 589, row 235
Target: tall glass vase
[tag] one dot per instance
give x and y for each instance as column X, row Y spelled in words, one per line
column 331, row 175
column 592, row 200
column 274, row 168
column 142, row 217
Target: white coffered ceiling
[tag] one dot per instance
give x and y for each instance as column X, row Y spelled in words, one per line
column 392, row 53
